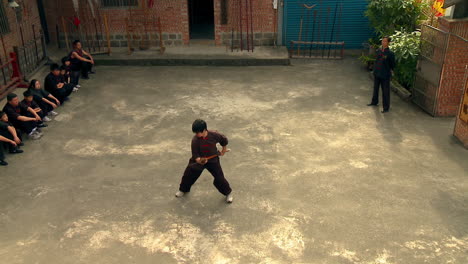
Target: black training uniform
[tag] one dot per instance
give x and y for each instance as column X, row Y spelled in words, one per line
column 383, row 67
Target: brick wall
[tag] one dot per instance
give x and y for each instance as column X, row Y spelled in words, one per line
column 461, row 126
column 264, row 22
column 451, row 85
column 174, row 19
column 29, row 17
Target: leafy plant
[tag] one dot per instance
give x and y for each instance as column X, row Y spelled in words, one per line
column 406, row 47
column 386, row 16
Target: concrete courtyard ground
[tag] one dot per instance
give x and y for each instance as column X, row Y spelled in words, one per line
column 318, row 177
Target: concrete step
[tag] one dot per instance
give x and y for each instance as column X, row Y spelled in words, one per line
column 196, row 55
column 192, row 62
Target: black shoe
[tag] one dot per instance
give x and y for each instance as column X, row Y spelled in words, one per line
column 21, row 144
column 384, row 111
column 3, row 163
column 91, row 72
column 16, row 151
column 42, row 125
column 371, row 104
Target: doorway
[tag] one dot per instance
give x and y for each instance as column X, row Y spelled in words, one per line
column 42, row 16
column 201, row 19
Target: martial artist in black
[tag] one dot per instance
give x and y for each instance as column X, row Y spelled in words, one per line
column 46, row 101
column 81, row 62
column 203, row 146
column 31, row 106
column 383, row 68
column 8, row 138
column 21, row 117
column 53, row 84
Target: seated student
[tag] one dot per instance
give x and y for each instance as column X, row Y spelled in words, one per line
column 65, row 74
column 67, row 65
column 17, row 135
column 53, row 84
column 46, row 101
column 28, row 103
column 8, row 136
column 81, row 61
column 26, row 123
column 65, row 77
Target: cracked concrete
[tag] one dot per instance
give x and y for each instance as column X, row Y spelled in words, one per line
column 318, row 177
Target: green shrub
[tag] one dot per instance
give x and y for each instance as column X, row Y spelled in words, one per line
column 386, row 16
column 406, row 47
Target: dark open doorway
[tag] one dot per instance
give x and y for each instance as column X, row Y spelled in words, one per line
column 201, row 17
column 42, row 16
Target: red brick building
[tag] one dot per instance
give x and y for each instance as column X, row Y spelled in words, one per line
column 16, row 26
column 181, row 20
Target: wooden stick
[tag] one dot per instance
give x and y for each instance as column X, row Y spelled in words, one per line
column 128, row 36
column 107, row 33
column 65, row 32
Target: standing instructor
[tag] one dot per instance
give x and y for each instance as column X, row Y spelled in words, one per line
column 383, row 68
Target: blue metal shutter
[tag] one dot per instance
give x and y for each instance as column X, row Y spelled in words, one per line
column 354, row 29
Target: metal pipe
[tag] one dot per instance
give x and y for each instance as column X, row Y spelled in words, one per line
column 240, row 23
column 251, row 25
column 247, row 21
column 333, row 29
column 323, row 46
column 313, row 33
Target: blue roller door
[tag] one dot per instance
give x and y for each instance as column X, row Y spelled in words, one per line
column 353, row 28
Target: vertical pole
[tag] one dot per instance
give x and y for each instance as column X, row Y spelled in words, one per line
column 23, row 46
column 4, row 48
column 251, row 25
column 35, row 44
column 129, row 44
column 333, row 29
column 107, row 34
column 232, row 39
column 248, row 27
column 313, row 33
column 161, row 43
column 300, row 34
column 65, row 32
column 240, row 23
column 101, row 38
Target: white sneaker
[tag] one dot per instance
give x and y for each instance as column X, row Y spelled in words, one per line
column 46, row 119
column 179, row 194
column 75, row 89
column 34, row 135
column 78, row 86
column 53, row 113
column 229, row 198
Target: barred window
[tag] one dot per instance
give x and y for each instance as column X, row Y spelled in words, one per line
column 4, row 25
column 118, row 3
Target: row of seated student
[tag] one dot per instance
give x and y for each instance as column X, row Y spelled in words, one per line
column 29, row 116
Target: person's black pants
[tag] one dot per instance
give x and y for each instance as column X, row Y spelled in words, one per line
column 385, row 84
column 193, row 172
column 63, row 92
column 86, row 67
column 8, row 135
column 45, row 107
column 25, row 126
column 75, row 77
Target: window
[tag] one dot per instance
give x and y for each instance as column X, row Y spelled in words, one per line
column 4, row 26
column 118, row 3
